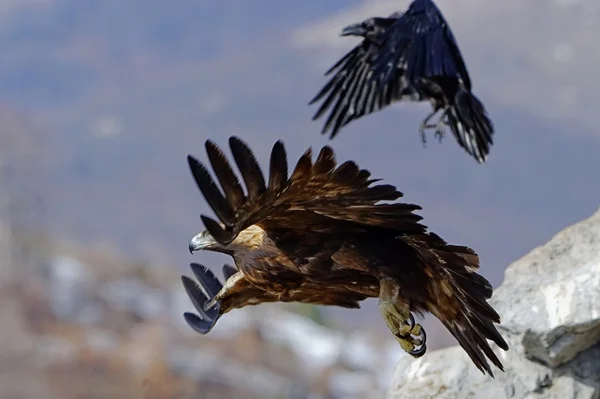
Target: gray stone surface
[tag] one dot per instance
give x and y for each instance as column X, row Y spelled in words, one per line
column 552, row 295
column 550, row 308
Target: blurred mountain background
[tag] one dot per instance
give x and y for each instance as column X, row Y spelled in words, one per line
column 100, row 102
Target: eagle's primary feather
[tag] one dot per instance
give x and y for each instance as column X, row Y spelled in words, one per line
column 332, row 235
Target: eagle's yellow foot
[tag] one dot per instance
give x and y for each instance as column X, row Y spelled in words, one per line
column 410, row 335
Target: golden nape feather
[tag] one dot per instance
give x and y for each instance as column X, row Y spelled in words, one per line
column 330, row 234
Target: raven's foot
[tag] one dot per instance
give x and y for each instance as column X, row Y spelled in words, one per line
column 422, row 128
column 440, row 130
column 439, row 127
column 410, row 335
column 205, row 296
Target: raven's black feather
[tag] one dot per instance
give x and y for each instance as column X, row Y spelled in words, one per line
column 406, row 57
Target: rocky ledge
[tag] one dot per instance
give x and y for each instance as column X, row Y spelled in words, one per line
column 550, row 308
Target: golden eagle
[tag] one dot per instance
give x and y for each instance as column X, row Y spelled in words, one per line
column 329, row 235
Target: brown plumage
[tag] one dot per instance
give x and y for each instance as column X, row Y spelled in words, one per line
column 323, row 236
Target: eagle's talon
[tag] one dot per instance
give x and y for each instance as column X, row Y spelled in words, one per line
column 409, row 327
column 417, row 353
column 414, row 342
column 406, row 345
column 409, row 334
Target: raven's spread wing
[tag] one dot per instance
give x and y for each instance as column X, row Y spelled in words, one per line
column 352, row 93
column 422, row 40
column 319, row 196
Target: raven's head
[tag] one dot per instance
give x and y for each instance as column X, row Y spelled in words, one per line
column 248, row 239
column 372, row 27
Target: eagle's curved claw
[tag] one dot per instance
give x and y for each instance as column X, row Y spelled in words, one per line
column 412, row 337
column 396, row 313
column 420, row 351
column 207, row 307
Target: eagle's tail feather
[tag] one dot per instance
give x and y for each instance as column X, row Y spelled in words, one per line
column 471, row 125
column 458, row 296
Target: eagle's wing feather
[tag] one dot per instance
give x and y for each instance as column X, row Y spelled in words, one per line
column 238, row 292
column 316, row 194
column 243, row 293
column 458, row 296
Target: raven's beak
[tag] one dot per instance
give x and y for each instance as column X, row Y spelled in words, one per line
column 354, row 30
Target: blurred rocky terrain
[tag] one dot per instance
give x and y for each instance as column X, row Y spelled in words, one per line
column 550, row 308
column 100, row 102
column 80, row 319
column 113, row 95
column 88, row 324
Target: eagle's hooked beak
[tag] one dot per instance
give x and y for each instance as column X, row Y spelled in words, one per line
column 201, row 241
column 354, row 30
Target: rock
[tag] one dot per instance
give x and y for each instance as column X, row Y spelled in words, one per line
column 550, row 308
column 551, row 296
column 71, row 285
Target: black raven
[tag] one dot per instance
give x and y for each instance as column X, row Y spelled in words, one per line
column 407, row 57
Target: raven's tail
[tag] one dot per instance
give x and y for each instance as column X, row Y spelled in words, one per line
column 457, row 296
column 471, row 125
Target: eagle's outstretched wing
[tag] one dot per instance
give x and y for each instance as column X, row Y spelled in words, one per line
column 240, row 292
column 319, row 195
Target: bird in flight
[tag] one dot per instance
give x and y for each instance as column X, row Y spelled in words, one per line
column 407, row 57
column 329, row 234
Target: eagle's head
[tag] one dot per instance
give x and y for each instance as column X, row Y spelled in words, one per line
column 248, row 239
